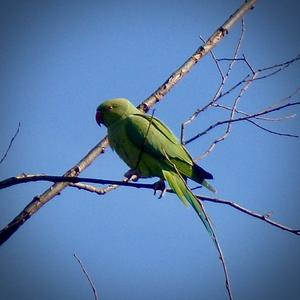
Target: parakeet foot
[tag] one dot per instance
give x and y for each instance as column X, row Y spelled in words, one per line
column 132, row 175
column 160, row 186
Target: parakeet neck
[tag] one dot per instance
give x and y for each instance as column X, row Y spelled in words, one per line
column 120, row 115
column 114, row 119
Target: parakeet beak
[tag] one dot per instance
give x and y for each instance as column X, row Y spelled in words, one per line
column 99, row 118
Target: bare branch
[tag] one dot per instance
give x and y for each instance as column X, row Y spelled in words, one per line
column 87, row 276
column 269, row 110
column 229, row 123
column 93, row 189
column 258, row 118
column 222, row 259
column 218, row 93
column 10, row 143
column 265, row 217
column 69, row 180
column 278, row 68
column 272, row 131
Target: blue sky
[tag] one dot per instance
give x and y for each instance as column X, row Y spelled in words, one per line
column 59, row 60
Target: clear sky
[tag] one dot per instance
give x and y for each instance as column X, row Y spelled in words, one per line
column 58, row 61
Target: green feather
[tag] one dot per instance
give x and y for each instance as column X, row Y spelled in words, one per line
column 179, row 186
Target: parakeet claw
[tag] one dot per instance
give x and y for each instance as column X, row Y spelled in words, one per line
column 132, row 175
column 160, row 186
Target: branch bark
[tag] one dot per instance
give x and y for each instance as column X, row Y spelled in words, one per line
column 25, row 178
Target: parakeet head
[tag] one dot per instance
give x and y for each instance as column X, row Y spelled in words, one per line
column 112, row 110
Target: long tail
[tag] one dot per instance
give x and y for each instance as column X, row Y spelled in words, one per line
column 179, row 186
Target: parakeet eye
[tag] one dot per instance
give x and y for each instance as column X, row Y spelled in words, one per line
column 110, row 107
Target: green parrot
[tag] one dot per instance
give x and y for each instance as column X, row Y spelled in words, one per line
column 150, row 149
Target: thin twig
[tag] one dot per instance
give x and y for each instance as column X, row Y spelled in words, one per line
column 272, row 109
column 272, row 131
column 224, row 78
column 10, row 143
column 87, row 276
column 94, row 189
column 281, row 65
column 278, row 68
column 258, row 118
column 221, row 257
column 263, row 217
column 229, row 123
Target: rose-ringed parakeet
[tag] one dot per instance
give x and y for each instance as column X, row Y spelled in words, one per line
column 150, row 149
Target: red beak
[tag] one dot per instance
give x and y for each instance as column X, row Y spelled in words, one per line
column 99, row 118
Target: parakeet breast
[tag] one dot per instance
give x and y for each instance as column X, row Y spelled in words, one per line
column 130, row 153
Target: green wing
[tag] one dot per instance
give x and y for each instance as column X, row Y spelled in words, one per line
column 155, row 138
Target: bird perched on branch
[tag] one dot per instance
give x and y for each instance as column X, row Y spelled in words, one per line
column 150, row 149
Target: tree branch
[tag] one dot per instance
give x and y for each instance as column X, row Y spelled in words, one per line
column 265, row 217
column 94, row 189
column 272, row 131
column 10, row 143
column 246, row 81
column 229, row 124
column 278, row 68
column 258, row 118
column 266, row 111
column 224, row 77
column 87, row 276
column 25, row 178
